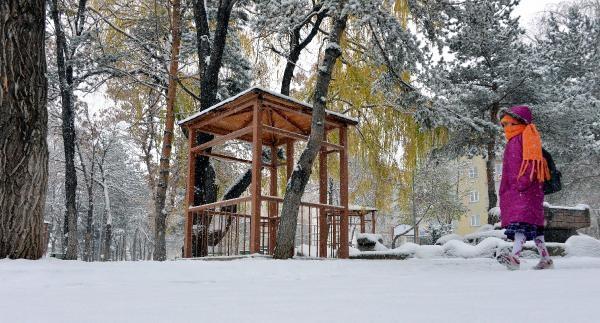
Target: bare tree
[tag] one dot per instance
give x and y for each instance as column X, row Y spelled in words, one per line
column 301, row 174
column 160, row 214
column 23, row 128
column 64, row 55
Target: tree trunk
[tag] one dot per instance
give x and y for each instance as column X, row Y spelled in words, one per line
column 23, row 124
column 160, row 214
column 89, row 184
column 209, row 64
column 106, row 255
column 490, row 165
column 414, row 207
column 134, row 244
column 65, row 77
column 296, row 47
column 106, row 243
column 295, row 188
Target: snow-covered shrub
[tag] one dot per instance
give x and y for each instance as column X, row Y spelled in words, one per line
column 582, row 245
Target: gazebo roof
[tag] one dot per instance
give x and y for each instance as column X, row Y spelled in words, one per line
column 280, row 111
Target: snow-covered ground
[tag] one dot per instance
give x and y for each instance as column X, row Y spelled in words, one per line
column 262, row 290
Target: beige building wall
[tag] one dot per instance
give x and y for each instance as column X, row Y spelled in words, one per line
column 473, row 186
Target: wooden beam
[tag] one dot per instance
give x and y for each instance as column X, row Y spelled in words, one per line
column 255, row 186
column 187, row 239
column 362, row 224
column 248, row 122
column 306, row 113
column 373, row 221
column 225, row 157
column 290, row 122
column 294, row 107
column 224, row 111
column 219, row 204
column 309, row 204
column 293, row 135
column 344, row 251
column 234, row 159
column 221, row 139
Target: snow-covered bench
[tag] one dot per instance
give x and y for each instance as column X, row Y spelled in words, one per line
column 563, row 222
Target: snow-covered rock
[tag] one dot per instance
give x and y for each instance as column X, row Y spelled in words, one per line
column 370, row 242
column 582, row 245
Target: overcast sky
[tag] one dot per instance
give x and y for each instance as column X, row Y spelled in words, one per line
column 529, row 9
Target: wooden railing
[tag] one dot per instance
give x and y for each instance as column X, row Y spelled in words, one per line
column 224, row 228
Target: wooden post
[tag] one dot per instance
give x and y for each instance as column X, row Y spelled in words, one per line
column 362, row 223
column 323, row 229
column 343, row 251
column 255, row 188
column 189, row 219
column 273, row 204
column 373, row 221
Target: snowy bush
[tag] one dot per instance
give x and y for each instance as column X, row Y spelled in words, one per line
column 582, row 245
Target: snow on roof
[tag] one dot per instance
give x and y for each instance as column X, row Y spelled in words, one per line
column 258, row 88
column 353, row 207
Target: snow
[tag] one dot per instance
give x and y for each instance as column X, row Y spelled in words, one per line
column 578, row 207
column 355, row 207
column 582, row 245
column 374, row 238
column 485, row 232
column 334, row 46
column 488, row 247
column 263, row 290
column 448, row 237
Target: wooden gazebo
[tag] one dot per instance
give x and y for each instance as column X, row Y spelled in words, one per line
column 248, row 224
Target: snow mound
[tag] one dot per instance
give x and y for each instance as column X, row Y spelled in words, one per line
column 583, row 245
column 407, row 248
column 487, row 231
column 485, row 249
column 374, row 237
column 427, row 252
column 448, row 237
column 370, row 242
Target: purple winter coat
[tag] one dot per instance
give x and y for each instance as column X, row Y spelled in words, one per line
column 521, row 199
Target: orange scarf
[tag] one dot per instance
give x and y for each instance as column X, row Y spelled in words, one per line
column 532, row 148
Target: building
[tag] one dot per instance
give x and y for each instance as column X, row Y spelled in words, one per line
column 473, row 185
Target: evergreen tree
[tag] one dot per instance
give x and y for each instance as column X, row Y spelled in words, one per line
column 490, row 70
column 567, row 57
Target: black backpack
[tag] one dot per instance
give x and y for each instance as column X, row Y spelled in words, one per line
column 552, row 185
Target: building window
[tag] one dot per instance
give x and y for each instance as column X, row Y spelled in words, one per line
column 473, row 196
column 475, row 221
column 473, row 172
